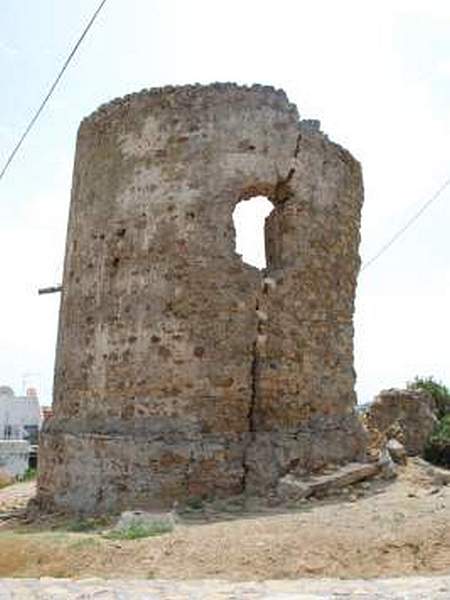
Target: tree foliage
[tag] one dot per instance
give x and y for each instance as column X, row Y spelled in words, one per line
column 439, row 392
column 437, row 449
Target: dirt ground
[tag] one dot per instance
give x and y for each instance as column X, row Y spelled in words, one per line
column 372, row 530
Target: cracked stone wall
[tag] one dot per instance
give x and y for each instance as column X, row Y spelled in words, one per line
column 180, row 370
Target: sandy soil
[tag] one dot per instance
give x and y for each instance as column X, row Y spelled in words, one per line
column 381, row 529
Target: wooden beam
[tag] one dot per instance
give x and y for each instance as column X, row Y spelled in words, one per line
column 50, row 290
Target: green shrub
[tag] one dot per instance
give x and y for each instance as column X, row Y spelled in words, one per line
column 29, row 475
column 437, row 449
column 82, row 524
column 195, row 503
column 442, row 431
column 136, row 531
column 79, row 526
column 439, row 392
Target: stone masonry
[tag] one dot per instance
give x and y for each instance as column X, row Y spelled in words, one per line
column 180, row 370
column 409, row 416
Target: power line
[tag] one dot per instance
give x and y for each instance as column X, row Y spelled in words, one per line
column 51, row 90
column 407, row 225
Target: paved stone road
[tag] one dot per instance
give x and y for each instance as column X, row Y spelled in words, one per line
column 411, row 588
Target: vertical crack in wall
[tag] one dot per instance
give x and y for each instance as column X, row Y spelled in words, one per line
column 251, row 414
column 282, row 191
column 253, row 380
column 254, row 371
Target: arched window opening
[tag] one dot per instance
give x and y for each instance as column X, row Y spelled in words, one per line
column 249, row 217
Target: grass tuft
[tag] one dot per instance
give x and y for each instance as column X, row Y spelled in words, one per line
column 137, row 531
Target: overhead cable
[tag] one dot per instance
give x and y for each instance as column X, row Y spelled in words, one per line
column 51, row 90
column 407, row 225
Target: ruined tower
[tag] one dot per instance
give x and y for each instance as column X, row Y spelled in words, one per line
column 180, row 370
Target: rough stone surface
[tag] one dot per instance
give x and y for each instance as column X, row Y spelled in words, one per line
column 440, row 477
column 400, row 588
column 405, row 415
column 397, row 451
column 292, row 488
column 388, row 468
column 168, row 382
column 132, row 518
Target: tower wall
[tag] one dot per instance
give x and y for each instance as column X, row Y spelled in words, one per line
column 182, row 371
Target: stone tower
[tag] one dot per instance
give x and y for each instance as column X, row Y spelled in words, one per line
column 182, row 371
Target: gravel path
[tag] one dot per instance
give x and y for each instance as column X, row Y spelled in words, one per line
column 426, row 588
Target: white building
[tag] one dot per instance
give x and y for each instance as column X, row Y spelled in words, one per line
column 20, row 416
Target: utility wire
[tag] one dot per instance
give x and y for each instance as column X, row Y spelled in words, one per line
column 407, row 225
column 51, row 90
column 382, row 250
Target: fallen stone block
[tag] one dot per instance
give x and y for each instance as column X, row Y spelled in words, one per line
column 291, row 488
column 343, row 477
column 397, row 452
column 387, row 467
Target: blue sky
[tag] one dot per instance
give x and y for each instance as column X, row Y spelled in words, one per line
column 377, row 75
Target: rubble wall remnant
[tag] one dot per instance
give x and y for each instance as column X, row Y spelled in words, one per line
column 180, row 370
column 409, row 416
